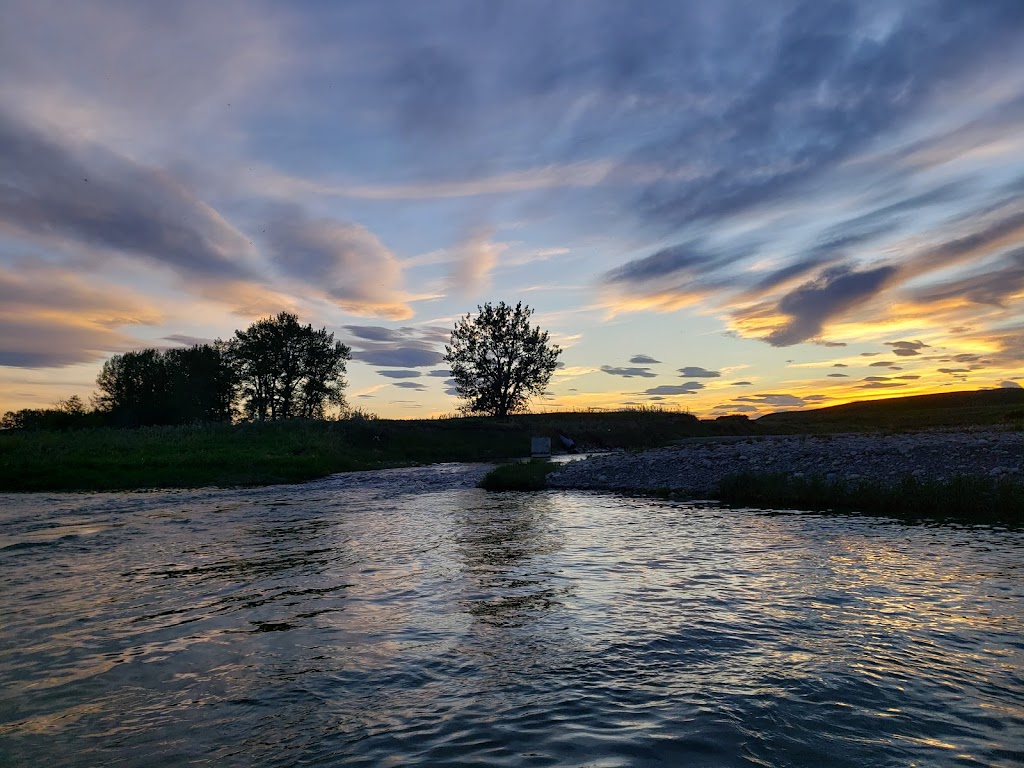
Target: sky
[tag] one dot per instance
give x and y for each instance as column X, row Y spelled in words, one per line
column 722, row 206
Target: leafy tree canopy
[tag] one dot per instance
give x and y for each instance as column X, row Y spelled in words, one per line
column 498, row 361
column 287, row 370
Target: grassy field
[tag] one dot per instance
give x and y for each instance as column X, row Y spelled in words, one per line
column 254, row 454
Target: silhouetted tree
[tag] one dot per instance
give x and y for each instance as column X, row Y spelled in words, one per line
column 498, row 360
column 287, row 370
column 69, row 413
column 133, row 389
column 201, row 383
column 176, row 386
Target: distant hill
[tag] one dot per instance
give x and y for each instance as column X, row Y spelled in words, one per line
column 985, row 407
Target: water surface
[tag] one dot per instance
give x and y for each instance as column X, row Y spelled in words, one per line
column 406, row 618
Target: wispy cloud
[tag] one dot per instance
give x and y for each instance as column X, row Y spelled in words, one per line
column 56, row 189
column 344, row 259
column 53, row 318
column 628, row 373
column 474, row 258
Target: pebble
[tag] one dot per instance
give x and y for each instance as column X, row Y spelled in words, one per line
column 695, row 467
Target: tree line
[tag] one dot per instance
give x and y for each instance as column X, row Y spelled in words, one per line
column 276, row 369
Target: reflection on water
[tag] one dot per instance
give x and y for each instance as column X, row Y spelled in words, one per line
column 406, row 618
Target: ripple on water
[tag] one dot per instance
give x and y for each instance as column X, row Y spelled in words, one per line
column 406, row 618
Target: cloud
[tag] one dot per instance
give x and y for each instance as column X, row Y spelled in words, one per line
column 442, row 373
column 995, row 285
column 1009, row 385
column 50, row 317
column 628, row 373
column 688, row 388
column 44, row 342
column 88, row 195
column 400, row 374
column 475, row 257
column 880, row 364
column 409, row 385
column 826, row 86
column 691, row 372
column 345, row 260
column 882, row 385
column 643, row 360
column 737, row 408
column 375, row 332
column 840, row 365
column 992, row 237
column 839, row 376
column 963, row 357
column 773, row 399
column 906, row 348
column 406, row 347
column 409, row 357
column 667, row 262
column 742, row 383
column 811, row 305
column 139, row 75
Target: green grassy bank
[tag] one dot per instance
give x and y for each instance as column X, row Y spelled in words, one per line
column 254, row 454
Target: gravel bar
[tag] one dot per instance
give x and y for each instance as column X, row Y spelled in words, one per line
column 695, row 467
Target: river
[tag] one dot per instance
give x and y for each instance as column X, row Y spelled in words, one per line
column 406, row 618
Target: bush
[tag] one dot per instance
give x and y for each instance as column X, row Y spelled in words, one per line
column 521, row 476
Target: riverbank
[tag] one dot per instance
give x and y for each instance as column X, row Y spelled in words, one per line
column 224, row 455
column 290, row 452
column 972, row 473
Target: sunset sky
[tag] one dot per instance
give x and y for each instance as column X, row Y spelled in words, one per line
column 723, row 206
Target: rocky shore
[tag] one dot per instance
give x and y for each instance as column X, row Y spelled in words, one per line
column 695, row 467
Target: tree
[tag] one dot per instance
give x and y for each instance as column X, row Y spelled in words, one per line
column 69, row 413
column 287, row 370
column 201, row 383
column 133, row 389
column 175, row 386
column 498, row 361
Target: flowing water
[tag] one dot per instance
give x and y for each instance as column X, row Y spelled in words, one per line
column 406, row 618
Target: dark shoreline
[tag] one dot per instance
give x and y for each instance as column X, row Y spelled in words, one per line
column 975, row 475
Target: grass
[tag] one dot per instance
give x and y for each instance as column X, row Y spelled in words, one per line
column 969, row 499
column 263, row 454
column 990, row 407
column 111, row 459
column 519, row 476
